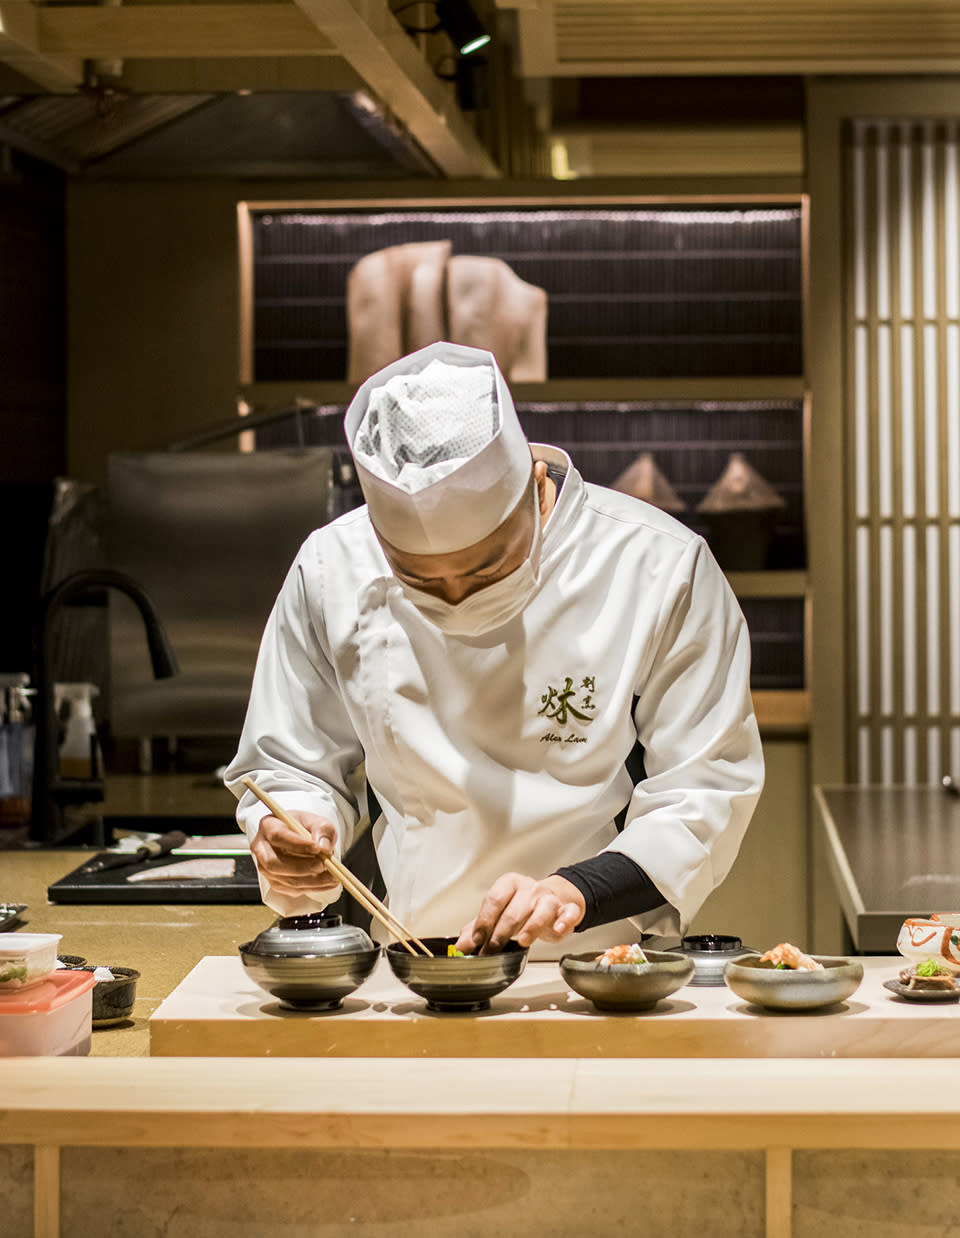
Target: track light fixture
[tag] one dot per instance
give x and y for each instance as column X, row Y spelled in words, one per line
column 458, row 19
column 462, row 25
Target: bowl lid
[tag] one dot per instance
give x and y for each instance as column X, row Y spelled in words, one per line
column 47, row 994
column 315, row 934
column 710, row 952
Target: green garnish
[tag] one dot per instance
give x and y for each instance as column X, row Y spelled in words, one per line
column 929, row 967
column 13, row 973
column 454, row 953
column 781, row 967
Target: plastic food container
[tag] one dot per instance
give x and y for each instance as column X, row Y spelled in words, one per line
column 50, row 1019
column 26, row 958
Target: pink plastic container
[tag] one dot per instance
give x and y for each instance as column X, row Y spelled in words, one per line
column 50, row 1019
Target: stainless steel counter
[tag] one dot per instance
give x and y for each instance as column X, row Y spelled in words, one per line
column 894, row 852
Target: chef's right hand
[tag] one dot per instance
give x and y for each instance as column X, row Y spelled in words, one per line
column 294, row 865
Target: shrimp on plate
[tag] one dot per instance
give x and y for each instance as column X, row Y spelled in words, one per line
column 631, row 954
column 786, row 955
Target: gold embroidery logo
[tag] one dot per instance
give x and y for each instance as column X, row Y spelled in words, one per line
column 568, row 704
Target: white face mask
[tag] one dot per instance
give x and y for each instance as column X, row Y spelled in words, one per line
column 490, row 607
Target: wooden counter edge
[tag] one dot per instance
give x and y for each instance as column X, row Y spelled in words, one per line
column 560, row 1104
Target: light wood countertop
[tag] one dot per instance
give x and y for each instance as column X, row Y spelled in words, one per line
column 163, row 942
column 218, row 1011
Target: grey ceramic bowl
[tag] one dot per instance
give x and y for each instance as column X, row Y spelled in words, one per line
column 310, row 962
column 774, row 988
column 458, row 985
column 113, row 999
column 627, row 986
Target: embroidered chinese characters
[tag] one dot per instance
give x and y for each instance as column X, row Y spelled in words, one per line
column 569, row 704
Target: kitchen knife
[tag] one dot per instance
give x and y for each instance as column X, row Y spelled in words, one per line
column 146, row 851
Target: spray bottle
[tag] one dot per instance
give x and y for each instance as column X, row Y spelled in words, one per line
column 79, row 750
column 16, row 751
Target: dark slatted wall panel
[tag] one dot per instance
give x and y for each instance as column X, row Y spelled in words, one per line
column 678, row 292
column 691, row 444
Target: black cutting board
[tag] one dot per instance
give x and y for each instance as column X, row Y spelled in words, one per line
column 111, row 885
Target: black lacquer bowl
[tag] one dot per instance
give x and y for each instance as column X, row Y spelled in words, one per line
column 460, row 985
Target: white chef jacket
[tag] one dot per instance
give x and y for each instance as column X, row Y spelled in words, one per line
column 505, row 752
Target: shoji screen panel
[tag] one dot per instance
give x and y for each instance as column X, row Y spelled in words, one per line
column 903, row 402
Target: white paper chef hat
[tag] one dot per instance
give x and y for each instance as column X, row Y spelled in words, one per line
column 440, row 456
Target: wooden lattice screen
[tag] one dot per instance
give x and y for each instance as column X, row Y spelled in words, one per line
column 903, row 434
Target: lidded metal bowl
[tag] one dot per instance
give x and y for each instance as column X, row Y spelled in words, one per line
column 711, row 952
column 310, row 962
column 316, row 935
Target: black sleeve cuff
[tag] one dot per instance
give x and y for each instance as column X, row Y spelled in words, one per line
column 613, row 887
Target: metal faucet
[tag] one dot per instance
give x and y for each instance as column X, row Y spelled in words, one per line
column 50, row 791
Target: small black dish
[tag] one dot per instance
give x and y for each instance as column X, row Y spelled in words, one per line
column 113, row 999
column 461, row 985
column 922, row 995
column 71, row 961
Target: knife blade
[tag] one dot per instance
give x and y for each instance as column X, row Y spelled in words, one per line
column 146, row 851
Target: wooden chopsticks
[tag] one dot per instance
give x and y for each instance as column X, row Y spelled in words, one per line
column 366, row 898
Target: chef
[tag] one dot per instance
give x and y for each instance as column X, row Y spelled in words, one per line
column 545, row 682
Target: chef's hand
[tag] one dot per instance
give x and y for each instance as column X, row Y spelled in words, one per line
column 290, row 863
column 524, row 909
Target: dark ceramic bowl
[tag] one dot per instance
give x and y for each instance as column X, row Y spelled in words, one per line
column 460, row 985
column 627, row 986
column 113, row 999
column 310, row 982
column 71, row 961
column 764, row 984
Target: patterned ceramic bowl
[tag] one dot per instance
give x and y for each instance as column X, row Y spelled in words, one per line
column 936, row 938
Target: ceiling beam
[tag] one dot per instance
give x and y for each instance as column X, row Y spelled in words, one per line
column 368, row 36
column 20, row 49
column 178, row 31
column 252, row 73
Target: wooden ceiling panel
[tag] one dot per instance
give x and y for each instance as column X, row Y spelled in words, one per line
column 663, row 37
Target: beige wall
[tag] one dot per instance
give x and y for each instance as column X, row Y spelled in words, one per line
column 764, row 899
column 152, row 315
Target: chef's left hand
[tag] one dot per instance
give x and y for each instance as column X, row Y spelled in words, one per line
column 524, row 909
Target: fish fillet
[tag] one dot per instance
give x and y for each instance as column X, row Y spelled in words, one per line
column 211, row 868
